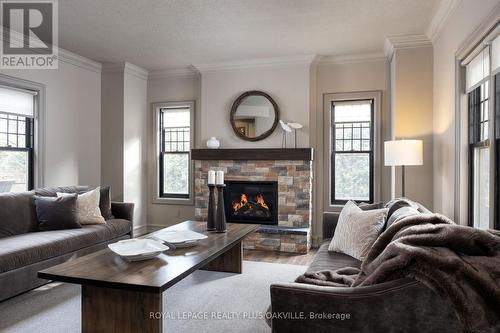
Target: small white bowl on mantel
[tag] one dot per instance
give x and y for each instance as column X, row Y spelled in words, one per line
column 213, row 143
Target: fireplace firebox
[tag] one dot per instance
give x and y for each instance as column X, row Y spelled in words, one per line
column 251, row 202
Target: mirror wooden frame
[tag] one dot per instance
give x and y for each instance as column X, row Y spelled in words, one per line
column 237, row 103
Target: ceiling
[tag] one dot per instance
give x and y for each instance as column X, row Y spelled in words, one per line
column 163, row 34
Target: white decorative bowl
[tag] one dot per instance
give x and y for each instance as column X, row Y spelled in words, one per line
column 138, row 249
column 213, row 143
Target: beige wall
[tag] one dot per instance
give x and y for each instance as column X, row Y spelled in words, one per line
column 134, row 146
column 356, row 76
column 72, row 122
column 288, row 85
column 123, row 116
column 411, row 113
column 169, row 89
column 463, row 22
column 112, row 133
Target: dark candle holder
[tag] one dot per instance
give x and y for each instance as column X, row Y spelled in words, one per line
column 220, row 220
column 211, row 218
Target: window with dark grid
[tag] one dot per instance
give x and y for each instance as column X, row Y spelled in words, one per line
column 479, row 155
column 175, row 128
column 16, row 153
column 352, row 151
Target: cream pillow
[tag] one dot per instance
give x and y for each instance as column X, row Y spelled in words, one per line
column 88, row 207
column 357, row 230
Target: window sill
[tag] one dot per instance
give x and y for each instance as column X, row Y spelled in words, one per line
column 174, row 201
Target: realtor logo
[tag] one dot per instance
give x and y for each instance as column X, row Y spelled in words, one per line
column 29, row 34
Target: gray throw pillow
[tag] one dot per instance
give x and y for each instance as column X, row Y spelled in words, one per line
column 57, row 213
column 399, row 214
column 52, row 191
column 357, row 230
column 394, row 206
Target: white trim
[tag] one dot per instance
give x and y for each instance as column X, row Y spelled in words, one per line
column 187, row 72
column 350, row 58
column 377, row 144
column 79, row 61
column 63, row 55
column 393, row 43
column 257, row 63
column 137, row 71
column 140, row 230
column 443, row 13
column 479, row 35
column 125, row 67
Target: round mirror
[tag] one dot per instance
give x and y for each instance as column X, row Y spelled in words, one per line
column 254, row 115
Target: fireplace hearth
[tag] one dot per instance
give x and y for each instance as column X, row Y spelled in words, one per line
column 251, row 202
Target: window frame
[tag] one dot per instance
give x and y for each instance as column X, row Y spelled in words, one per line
column 375, row 181
column 37, row 160
column 29, row 133
column 333, row 152
column 159, row 196
column 476, row 107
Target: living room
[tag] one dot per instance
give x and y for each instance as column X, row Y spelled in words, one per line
column 250, row 166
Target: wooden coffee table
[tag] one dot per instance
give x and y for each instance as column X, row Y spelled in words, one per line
column 121, row 296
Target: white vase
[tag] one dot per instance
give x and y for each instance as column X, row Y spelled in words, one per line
column 213, row 143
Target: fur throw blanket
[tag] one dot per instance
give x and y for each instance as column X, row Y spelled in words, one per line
column 459, row 263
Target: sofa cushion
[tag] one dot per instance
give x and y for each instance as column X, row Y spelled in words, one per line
column 52, row 191
column 57, row 213
column 25, row 249
column 325, row 260
column 88, row 206
column 17, row 214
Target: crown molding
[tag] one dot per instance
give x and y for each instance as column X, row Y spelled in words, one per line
column 125, row 67
column 443, row 13
column 79, row 61
column 350, row 58
column 257, row 63
column 186, row 72
column 481, row 35
column 137, row 71
column 63, row 55
column 400, row 42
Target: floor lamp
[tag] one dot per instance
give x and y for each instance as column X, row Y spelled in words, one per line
column 403, row 153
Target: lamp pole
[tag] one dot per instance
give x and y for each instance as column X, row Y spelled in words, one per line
column 403, row 181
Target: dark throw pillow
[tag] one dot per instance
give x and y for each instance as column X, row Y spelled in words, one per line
column 105, row 203
column 365, row 206
column 398, row 209
column 57, row 213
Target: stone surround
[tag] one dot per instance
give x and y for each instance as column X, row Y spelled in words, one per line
column 294, row 198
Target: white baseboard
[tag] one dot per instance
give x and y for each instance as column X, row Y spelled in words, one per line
column 139, row 230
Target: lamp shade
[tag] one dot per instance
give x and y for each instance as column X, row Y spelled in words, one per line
column 403, row 152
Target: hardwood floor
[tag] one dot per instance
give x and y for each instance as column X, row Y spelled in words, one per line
column 279, row 257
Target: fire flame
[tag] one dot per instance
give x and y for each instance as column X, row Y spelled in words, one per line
column 243, row 201
column 259, row 199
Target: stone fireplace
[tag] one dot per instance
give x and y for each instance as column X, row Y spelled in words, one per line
column 256, row 172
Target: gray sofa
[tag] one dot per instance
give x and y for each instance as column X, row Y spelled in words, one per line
column 403, row 305
column 25, row 251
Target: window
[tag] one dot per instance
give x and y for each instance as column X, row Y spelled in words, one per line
column 16, row 139
column 479, row 155
column 352, row 148
column 175, row 140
